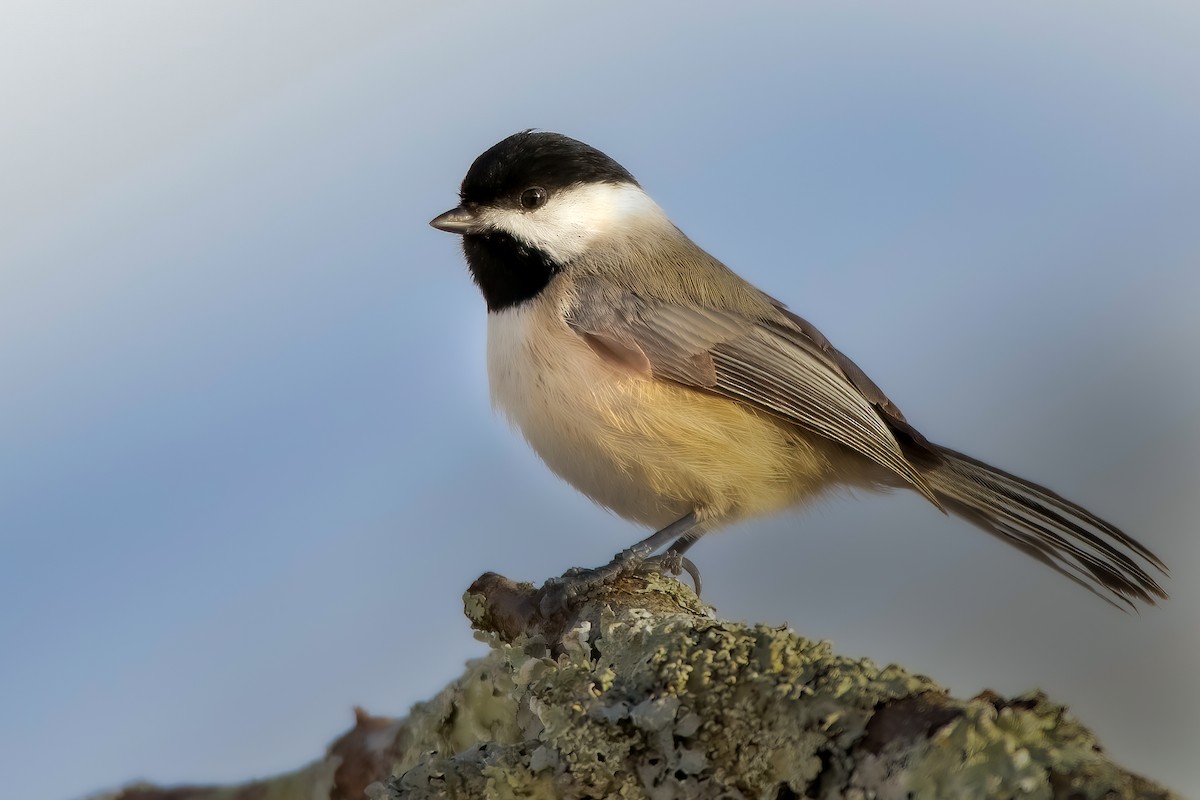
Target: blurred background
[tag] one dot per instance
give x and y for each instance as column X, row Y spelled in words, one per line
column 247, row 460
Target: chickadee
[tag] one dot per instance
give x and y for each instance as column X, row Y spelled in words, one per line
column 663, row 386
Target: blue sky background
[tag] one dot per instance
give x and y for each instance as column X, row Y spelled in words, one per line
column 247, row 463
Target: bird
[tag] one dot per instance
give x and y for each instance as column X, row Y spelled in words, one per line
column 668, row 389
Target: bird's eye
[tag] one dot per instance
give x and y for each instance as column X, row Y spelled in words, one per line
column 532, row 198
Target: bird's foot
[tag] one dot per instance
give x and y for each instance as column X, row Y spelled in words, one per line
column 557, row 593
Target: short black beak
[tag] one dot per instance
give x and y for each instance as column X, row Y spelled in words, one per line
column 456, row 220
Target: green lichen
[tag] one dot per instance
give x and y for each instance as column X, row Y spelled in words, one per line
column 481, row 706
column 1030, row 748
column 637, row 704
column 682, row 705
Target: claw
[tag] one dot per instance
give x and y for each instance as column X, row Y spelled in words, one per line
column 692, row 570
column 556, row 593
column 673, row 563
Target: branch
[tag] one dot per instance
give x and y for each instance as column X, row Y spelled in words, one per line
column 637, row 691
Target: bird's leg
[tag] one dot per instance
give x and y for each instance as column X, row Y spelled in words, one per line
column 577, row 581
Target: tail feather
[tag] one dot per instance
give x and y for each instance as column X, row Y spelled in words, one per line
column 1064, row 536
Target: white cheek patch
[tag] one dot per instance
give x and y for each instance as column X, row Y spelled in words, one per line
column 572, row 219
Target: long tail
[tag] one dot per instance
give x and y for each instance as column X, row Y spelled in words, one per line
column 1067, row 538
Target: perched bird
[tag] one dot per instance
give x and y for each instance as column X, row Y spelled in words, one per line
column 665, row 387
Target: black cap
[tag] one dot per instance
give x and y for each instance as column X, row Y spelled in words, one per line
column 537, row 158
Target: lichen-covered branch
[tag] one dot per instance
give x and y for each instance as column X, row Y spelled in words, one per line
column 637, row 691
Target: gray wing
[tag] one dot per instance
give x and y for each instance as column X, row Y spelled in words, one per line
column 780, row 365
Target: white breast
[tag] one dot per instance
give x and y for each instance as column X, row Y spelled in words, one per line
column 648, row 450
column 558, row 393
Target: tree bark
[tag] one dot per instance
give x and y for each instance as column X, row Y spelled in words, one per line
column 636, row 691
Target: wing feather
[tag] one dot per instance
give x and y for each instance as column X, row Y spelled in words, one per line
column 771, row 364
